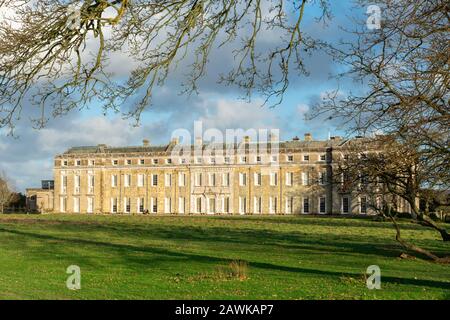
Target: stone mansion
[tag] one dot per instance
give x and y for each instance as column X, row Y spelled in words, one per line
column 294, row 178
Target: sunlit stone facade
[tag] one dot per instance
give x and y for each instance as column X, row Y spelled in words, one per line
column 151, row 179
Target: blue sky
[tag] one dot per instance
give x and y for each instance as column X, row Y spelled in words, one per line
column 28, row 158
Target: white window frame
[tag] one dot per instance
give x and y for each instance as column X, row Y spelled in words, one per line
column 154, row 180
column 289, row 178
column 242, row 179
column 154, row 205
column 63, row 204
column 77, row 184
column 360, row 205
column 181, row 205
column 181, row 179
column 212, row 179
column 289, row 205
column 167, row 205
column 126, row 204
column 140, row 203
column 140, row 180
column 226, row 179
column 90, row 205
column 257, row 204
column 242, row 205
column 114, row 180
column 305, row 178
column 325, row 205
column 168, row 179
column 76, row 204
column 273, row 179
column 198, row 179
column 273, row 205
column 348, row 204
column 127, row 180
column 303, row 205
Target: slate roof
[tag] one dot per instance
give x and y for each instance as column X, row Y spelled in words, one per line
column 294, row 144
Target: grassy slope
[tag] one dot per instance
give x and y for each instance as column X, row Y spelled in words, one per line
column 178, row 258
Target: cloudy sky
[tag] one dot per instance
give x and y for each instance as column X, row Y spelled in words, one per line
column 28, row 157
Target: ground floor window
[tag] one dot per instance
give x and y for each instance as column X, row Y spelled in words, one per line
column 322, row 205
column 212, row 205
column 289, row 204
column 127, row 205
column 90, row 205
column 345, row 205
column 226, row 204
column 305, row 205
column 140, row 205
column 242, row 205
column 168, row 205
column 181, row 204
column 363, row 204
column 199, row 205
column 257, row 204
column 154, row 205
column 76, row 205
column 114, row 205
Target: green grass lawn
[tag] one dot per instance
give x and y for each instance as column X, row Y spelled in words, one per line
column 142, row 257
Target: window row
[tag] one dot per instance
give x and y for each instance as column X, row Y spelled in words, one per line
column 220, row 204
column 200, row 160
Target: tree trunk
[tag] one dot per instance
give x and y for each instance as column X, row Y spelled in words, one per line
column 412, row 247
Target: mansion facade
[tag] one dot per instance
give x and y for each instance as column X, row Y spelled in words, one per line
column 293, row 178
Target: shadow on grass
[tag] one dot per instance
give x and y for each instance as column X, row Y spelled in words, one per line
column 124, row 249
column 327, row 221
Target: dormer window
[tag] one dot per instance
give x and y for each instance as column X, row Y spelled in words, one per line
column 169, row 161
column 290, row 158
column 77, row 163
column 155, row 161
column 64, row 163
column 141, row 161
column 91, row 162
column 128, row 162
column 323, row 157
column 115, row 162
column 243, row 159
column 258, row 159
column 306, row 157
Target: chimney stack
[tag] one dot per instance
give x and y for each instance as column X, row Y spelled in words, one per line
column 146, row 143
column 308, row 137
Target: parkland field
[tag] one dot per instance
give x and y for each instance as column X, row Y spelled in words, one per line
column 224, row 257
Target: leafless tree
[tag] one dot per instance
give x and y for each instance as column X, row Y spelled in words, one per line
column 6, row 192
column 401, row 76
column 386, row 171
column 403, row 69
column 58, row 56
